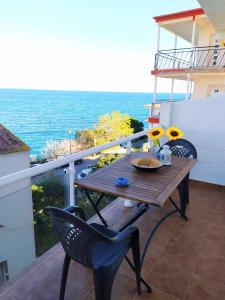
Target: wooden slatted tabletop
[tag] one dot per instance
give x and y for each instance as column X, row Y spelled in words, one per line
column 150, row 187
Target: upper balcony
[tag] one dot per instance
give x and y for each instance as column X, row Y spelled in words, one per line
column 207, row 59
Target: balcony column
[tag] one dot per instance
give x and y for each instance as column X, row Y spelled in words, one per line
column 155, row 89
column 188, row 86
column 158, row 40
column 193, row 33
column 172, row 82
column 172, row 90
column 192, row 58
column 155, row 86
column 155, row 82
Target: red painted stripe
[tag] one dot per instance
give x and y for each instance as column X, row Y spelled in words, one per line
column 180, row 15
column 156, row 72
column 153, row 120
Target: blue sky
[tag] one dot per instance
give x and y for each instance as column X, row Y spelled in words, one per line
column 80, row 44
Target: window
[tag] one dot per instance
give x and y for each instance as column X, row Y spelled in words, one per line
column 4, row 274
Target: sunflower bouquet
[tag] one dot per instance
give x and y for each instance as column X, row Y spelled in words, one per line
column 173, row 133
column 155, row 134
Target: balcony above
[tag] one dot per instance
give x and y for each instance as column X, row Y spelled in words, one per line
column 179, row 62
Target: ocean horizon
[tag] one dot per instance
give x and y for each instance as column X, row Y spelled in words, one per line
column 37, row 116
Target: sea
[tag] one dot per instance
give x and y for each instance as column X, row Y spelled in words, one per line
column 37, row 116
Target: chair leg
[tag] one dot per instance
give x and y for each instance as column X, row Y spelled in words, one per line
column 136, row 257
column 64, row 276
column 103, row 281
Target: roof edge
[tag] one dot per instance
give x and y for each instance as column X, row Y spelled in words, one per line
column 20, row 146
column 179, row 15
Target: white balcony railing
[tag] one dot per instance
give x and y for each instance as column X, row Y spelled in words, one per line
column 67, row 160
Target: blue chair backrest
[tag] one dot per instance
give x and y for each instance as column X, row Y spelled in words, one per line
column 182, row 148
column 76, row 236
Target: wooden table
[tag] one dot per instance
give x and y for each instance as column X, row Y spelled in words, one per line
column 147, row 187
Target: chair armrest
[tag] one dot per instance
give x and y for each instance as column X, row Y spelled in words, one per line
column 126, row 234
column 76, row 209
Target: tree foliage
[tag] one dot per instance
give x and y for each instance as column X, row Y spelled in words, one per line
column 106, row 159
column 86, row 138
column 50, row 193
column 108, row 128
column 136, row 125
column 114, row 126
column 54, row 149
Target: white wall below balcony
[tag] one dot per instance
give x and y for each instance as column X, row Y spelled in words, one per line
column 203, row 123
column 205, row 85
column 17, row 245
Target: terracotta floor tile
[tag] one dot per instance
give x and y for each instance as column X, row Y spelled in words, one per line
column 190, row 228
column 189, row 239
column 218, row 236
column 218, row 218
column 155, row 295
column 72, row 293
column 172, row 253
column 155, row 249
column 169, row 279
column 194, row 227
column 123, row 288
column 126, row 270
column 203, row 289
column 85, row 282
column 211, row 267
column 221, row 205
column 179, row 256
column 212, row 247
column 165, row 234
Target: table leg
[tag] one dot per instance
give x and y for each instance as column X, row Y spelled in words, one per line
column 184, row 195
column 187, row 189
column 184, row 200
column 153, row 232
column 95, row 206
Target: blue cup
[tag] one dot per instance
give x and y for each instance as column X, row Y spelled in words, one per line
column 122, row 181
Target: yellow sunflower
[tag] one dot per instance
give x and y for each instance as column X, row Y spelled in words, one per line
column 174, row 133
column 156, row 133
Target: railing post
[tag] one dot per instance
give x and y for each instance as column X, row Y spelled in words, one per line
column 127, row 202
column 71, row 183
column 128, row 148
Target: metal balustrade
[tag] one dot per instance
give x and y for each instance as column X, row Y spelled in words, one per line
column 197, row 57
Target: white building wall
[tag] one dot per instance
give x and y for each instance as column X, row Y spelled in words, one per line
column 203, row 123
column 206, row 37
column 17, row 244
column 207, row 85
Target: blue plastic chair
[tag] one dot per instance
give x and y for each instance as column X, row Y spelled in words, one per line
column 95, row 246
column 182, row 148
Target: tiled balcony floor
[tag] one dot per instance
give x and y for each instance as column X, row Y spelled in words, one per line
column 186, row 260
